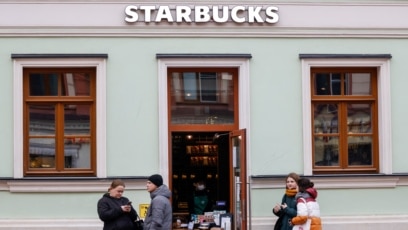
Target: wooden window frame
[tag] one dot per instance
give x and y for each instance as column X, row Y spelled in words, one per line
column 21, row 61
column 342, row 101
column 166, row 61
column 59, row 101
column 380, row 61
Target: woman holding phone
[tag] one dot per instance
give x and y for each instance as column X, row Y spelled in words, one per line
column 115, row 210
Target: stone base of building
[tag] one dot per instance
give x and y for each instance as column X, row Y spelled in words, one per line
column 375, row 222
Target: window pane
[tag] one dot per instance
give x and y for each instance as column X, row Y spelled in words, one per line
column 42, row 120
column 359, row 118
column 76, row 84
column 360, row 150
column 358, row 84
column 77, row 119
column 43, row 84
column 359, row 122
column 202, row 98
column 190, row 86
column 326, row 151
column 326, row 144
column 208, row 87
column 327, row 84
column 42, row 152
column 325, row 118
column 77, row 153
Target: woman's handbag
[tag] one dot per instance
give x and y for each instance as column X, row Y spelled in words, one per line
column 138, row 224
column 278, row 224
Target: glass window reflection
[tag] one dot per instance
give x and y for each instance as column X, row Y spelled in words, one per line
column 360, row 150
column 55, row 84
column 326, row 151
column 42, row 152
column 77, row 152
column 325, row 118
column 358, row 84
column 76, row 84
column 359, row 118
column 76, row 119
column 327, row 84
column 42, row 120
column 202, row 97
column 43, row 84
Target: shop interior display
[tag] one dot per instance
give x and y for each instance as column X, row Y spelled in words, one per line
column 194, row 156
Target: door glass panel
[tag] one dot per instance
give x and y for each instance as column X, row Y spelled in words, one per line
column 237, row 181
column 239, row 202
column 202, row 97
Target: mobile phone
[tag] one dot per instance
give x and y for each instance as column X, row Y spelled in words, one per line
column 129, row 203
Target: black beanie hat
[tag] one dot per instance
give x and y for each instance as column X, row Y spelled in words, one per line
column 156, row 179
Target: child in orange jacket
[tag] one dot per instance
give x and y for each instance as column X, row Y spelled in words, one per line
column 308, row 210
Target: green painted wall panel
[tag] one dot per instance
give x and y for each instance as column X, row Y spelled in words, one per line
column 276, row 118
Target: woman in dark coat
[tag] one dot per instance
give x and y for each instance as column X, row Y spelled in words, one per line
column 286, row 210
column 115, row 210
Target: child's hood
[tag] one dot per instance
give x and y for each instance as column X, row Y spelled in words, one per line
column 312, row 192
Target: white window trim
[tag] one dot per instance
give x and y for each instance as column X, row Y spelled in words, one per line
column 243, row 96
column 100, row 64
column 384, row 106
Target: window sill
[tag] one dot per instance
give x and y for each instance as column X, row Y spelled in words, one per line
column 336, row 181
column 66, row 185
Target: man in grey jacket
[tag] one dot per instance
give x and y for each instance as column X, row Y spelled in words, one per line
column 159, row 215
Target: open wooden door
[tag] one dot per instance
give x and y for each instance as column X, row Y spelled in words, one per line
column 238, row 173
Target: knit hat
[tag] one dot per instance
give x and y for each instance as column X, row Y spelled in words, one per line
column 156, row 179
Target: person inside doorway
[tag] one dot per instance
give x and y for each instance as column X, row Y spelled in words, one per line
column 200, row 200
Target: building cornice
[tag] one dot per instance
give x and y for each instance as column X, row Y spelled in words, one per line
column 102, row 18
column 46, row 185
column 335, row 181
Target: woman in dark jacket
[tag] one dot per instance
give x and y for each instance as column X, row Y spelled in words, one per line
column 286, row 210
column 115, row 210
